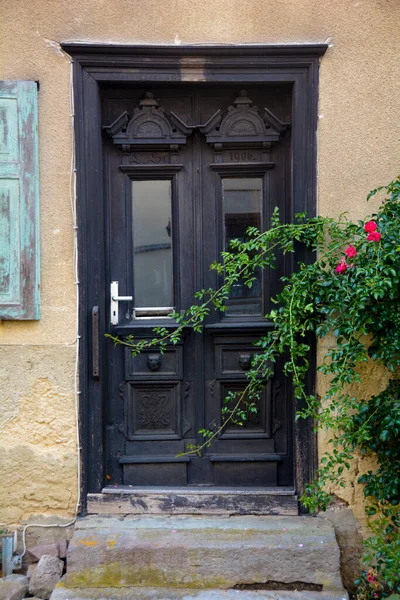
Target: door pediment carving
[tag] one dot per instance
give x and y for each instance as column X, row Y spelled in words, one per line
column 243, row 126
column 150, row 128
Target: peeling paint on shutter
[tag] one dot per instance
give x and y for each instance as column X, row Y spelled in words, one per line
column 19, row 201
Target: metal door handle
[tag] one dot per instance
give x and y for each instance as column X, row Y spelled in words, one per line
column 118, row 298
column 115, row 298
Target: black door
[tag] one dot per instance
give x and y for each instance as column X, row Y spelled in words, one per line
column 188, row 169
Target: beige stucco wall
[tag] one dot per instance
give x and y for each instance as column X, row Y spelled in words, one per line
column 358, row 148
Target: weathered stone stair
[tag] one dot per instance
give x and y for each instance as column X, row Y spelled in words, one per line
column 181, row 594
column 202, row 558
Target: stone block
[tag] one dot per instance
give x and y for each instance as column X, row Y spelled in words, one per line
column 46, row 576
column 13, row 587
column 58, row 549
column 349, row 540
column 31, row 570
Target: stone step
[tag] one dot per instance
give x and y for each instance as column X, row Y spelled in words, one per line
column 203, row 552
column 126, row 500
column 62, row 593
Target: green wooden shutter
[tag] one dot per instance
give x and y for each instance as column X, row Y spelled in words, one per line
column 19, row 201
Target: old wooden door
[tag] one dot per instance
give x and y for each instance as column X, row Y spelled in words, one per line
column 189, row 168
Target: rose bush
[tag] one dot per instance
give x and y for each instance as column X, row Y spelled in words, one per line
column 348, row 291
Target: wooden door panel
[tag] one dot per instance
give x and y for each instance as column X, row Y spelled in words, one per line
column 245, row 473
column 151, row 473
column 154, row 364
column 153, row 411
column 257, row 425
column 158, row 402
column 233, row 360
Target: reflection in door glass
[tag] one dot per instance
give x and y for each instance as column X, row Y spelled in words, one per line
column 242, row 208
column 152, row 244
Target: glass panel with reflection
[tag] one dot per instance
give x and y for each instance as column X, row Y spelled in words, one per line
column 242, row 208
column 152, row 244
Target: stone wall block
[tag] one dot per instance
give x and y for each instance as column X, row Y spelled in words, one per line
column 58, row 549
column 349, row 540
column 46, row 576
column 13, row 587
column 31, row 570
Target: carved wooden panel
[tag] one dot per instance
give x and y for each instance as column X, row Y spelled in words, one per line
column 151, row 364
column 153, row 411
column 258, row 424
column 233, row 360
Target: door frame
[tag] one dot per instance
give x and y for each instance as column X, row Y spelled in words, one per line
column 96, row 65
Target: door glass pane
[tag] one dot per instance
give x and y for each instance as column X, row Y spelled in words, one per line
column 152, row 245
column 242, row 208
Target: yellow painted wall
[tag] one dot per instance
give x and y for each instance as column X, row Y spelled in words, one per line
column 358, row 148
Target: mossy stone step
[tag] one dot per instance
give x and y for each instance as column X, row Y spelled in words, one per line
column 202, row 552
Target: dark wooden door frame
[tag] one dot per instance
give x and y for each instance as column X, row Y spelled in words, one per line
column 95, row 66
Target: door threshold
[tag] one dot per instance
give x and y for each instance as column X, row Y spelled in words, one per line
column 200, row 489
column 126, row 500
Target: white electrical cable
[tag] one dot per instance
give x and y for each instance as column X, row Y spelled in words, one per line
column 72, row 194
column 73, row 200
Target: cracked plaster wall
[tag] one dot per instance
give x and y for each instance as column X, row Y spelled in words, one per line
column 358, row 148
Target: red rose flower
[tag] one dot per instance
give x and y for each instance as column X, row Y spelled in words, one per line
column 351, row 251
column 370, row 577
column 370, row 226
column 341, row 267
column 374, row 236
